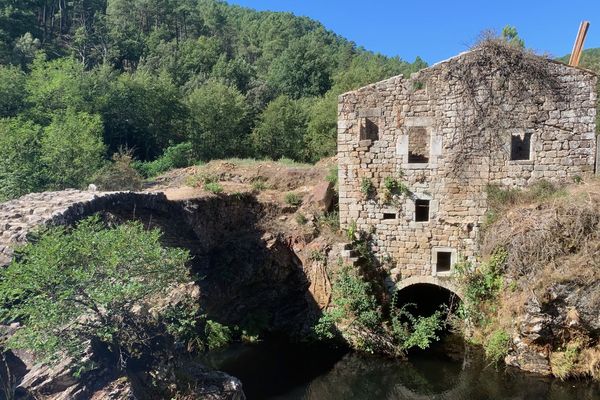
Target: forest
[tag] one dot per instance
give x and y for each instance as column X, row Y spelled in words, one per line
column 87, row 86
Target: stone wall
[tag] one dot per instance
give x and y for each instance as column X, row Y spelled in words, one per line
column 561, row 131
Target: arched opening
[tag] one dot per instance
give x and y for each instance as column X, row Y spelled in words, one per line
column 427, row 298
column 423, row 299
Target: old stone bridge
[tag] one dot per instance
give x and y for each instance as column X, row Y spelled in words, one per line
column 182, row 221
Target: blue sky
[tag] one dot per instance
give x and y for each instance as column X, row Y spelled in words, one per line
column 438, row 29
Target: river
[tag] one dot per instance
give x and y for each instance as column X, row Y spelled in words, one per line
column 278, row 370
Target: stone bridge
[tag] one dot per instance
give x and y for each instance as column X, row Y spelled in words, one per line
column 18, row 217
column 183, row 222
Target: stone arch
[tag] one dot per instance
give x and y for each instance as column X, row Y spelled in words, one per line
column 444, row 282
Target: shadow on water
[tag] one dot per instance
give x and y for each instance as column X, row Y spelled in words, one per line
column 276, row 369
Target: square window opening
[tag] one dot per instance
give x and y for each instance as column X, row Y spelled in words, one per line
column 389, row 215
column 418, row 145
column 520, row 147
column 369, row 130
column 444, row 261
column 422, row 210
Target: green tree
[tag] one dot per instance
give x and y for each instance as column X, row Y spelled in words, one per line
column 218, row 121
column 21, row 170
column 12, row 91
column 281, row 129
column 143, row 112
column 321, row 131
column 510, row 34
column 72, row 149
column 72, row 287
column 303, row 69
column 56, row 85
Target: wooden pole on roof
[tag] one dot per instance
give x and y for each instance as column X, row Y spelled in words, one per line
column 578, row 46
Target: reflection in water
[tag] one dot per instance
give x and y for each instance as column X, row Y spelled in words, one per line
column 279, row 370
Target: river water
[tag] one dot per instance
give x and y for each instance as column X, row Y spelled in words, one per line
column 276, row 369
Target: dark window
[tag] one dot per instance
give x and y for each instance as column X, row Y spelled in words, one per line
column 389, row 216
column 418, row 145
column 520, row 147
column 369, row 130
column 444, row 260
column 422, row 210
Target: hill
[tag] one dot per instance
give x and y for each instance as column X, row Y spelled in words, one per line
column 590, row 59
column 189, row 80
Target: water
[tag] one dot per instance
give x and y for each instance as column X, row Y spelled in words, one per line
column 279, row 370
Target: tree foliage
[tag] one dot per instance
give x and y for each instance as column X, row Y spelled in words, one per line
column 163, row 72
column 72, row 148
column 70, row 288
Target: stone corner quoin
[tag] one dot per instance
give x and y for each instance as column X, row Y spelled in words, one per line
column 409, row 130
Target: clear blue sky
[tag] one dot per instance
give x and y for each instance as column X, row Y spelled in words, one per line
column 438, row 29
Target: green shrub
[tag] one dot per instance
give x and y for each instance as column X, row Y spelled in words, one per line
column 482, row 285
column 410, row 331
column 301, row 219
column 563, row 362
column 330, row 220
column 293, row 199
column 352, row 301
column 259, row 185
column 119, row 174
column 366, row 187
column 332, row 175
column 177, row 156
column 70, row 286
column 496, row 346
column 213, row 187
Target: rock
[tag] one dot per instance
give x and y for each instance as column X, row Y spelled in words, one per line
column 322, row 196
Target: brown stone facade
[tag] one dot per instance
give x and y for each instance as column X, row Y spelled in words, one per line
column 407, row 130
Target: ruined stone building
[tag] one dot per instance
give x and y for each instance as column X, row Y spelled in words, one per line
column 416, row 155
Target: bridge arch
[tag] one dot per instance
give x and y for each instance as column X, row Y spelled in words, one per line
column 443, row 282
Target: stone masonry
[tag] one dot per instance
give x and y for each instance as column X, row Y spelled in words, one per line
column 19, row 217
column 413, row 124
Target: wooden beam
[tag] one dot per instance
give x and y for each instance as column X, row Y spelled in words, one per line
column 578, row 46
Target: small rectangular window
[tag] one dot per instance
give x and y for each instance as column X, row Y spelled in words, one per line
column 418, row 145
column 520, row 147
column 389, row 216
column 444, row 261
column 421, row 210
column 369, row 130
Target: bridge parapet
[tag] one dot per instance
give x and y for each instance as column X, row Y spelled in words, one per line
column 20, row 216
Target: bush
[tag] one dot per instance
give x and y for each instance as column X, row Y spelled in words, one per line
column 411, row 331
column 213, row 187
column 301, row 219
column 70, row 287
column 367, row 188
column 259, row 185
column 119, row 174
column 352, row 301
column 293, row 199
column 178, row 156
column 496, row 346
column 482, row 285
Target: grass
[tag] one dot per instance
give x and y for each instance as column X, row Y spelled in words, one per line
column 293, row 199
column 500, row 199
column 213, row 187
column 301, row 219
column 563, row 362
column 259, row 185
column 496, row 346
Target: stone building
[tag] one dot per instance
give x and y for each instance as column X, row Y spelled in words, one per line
column 416, row 155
